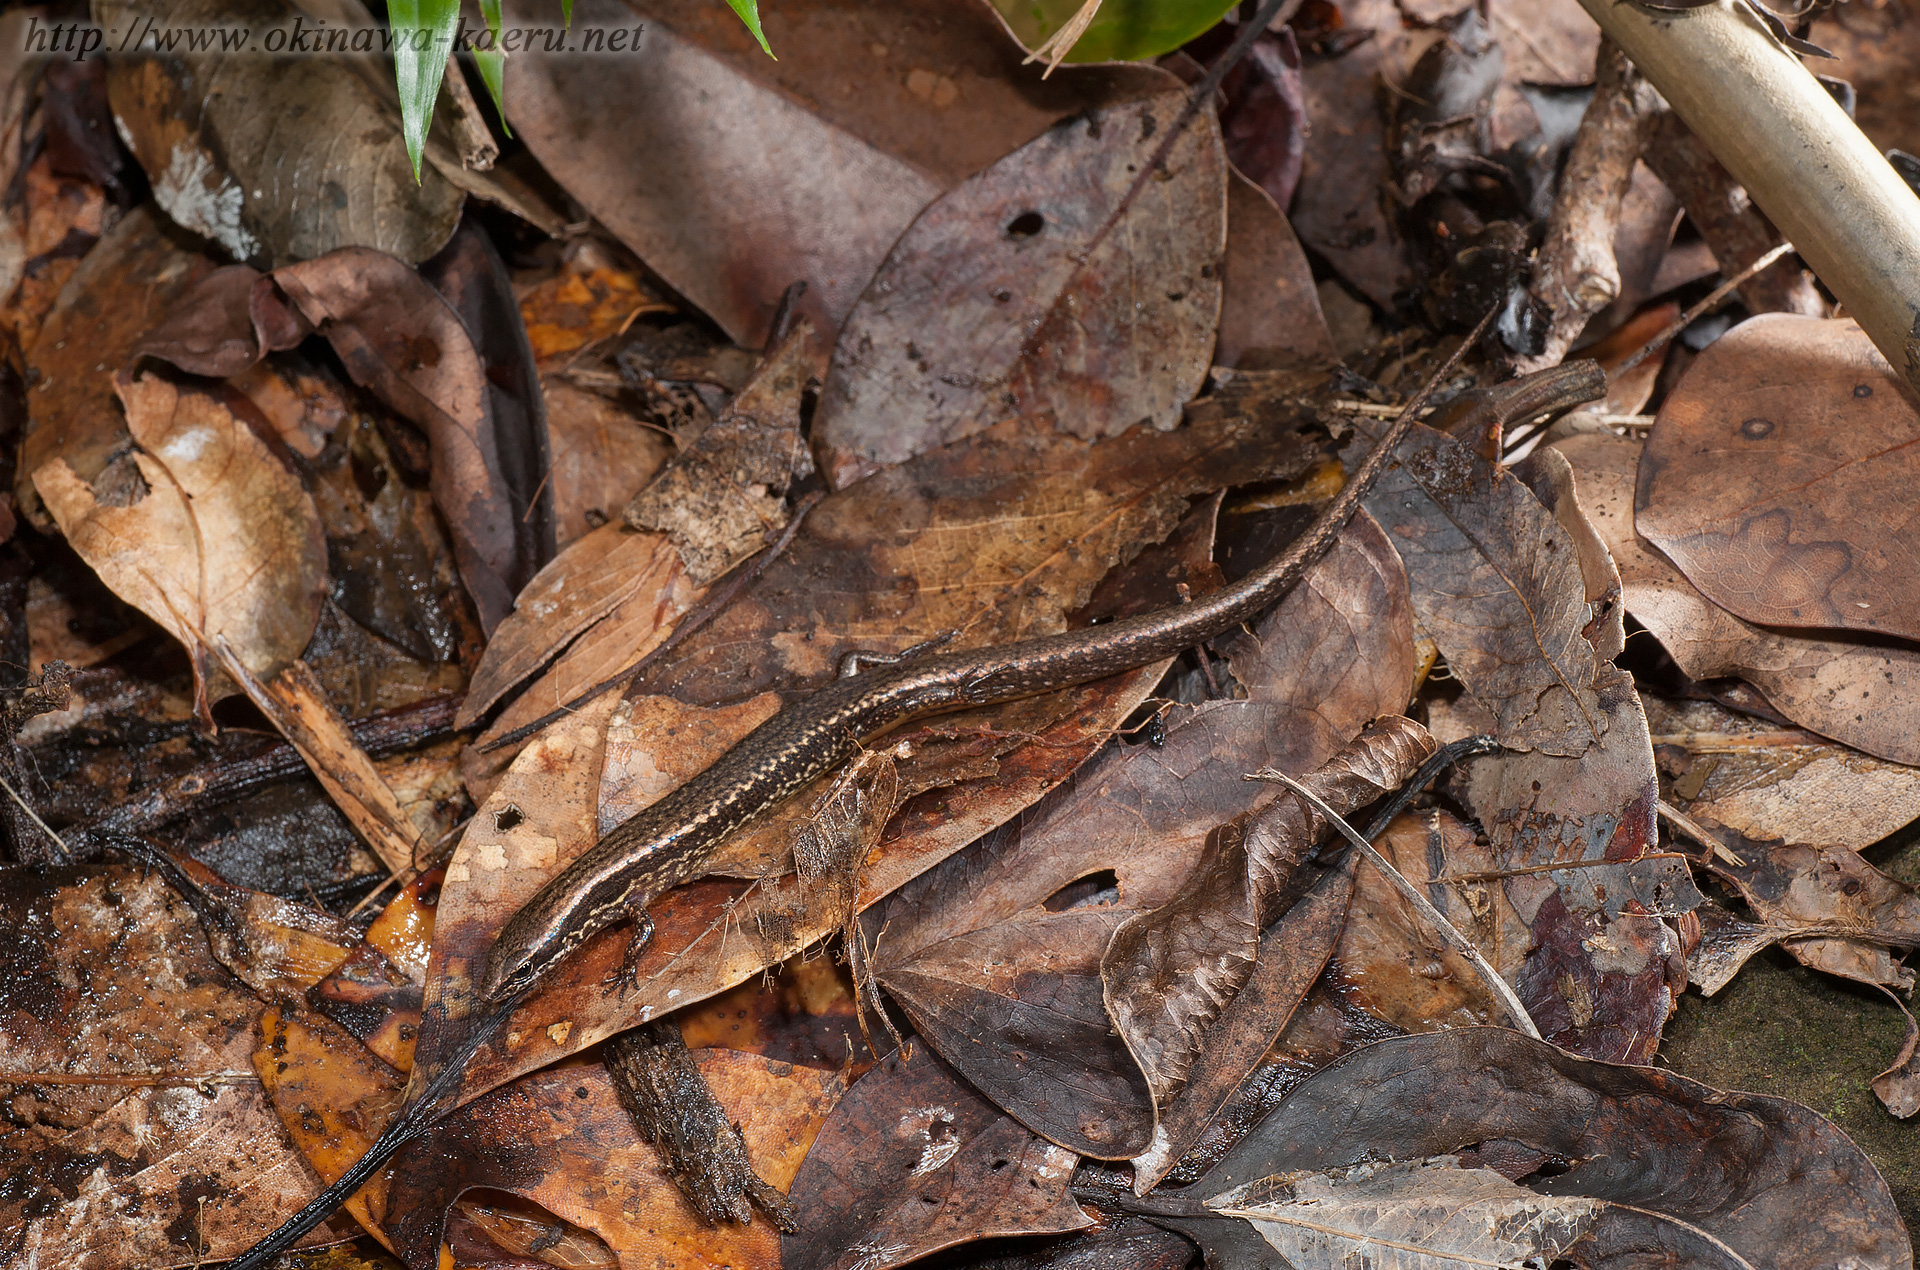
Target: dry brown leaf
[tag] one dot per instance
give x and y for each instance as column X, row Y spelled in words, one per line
column 211, row 131
column 1779, row 479
column 1497, row 582
column 807, row 168
column 1866, row 696
column 602, row 457
column 126, row 284
column 913, row 1161
column 1017, row 293
column 203, row 529
column 724, row 492
column 1766, row 781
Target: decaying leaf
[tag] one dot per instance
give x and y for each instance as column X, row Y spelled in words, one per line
column 122, row 289
column 1497, row 582
column 136, row 1128
column 1826, row 887
column 1746, row 1169
column 203, row 529
column 398, row 337
column 1779, row 479
column 1865, row 695
column 721, row 495
column 562, row 1139
column 913, row 1161
column 1169, row 971
column 997, row 942
column 1018, row 293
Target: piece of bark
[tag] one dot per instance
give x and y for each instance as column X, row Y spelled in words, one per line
column 1737, row 232
column 673, row 1108
column 1578, row 274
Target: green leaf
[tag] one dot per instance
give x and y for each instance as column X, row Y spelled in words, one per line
column 423, row 35
column 1123, row 30
column 566, row 12
column 749, row 11
column 493, row 63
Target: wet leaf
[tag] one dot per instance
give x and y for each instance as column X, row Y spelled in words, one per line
column 1013, row 294
column 849, row 142
column 146, row 1136
column 203, row 529
column 1867, row 696
column 913, row 1161
column 1777, row 478
column 561, row 1139
column 1745, row 1168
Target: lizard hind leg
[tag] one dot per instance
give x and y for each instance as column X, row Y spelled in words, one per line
column 629, row 978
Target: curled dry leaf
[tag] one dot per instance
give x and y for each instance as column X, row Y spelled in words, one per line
column 807, row 168
column 1745, row 1168
column 1763, row 780
column 210, row 129
column 589, row 580
column 991, row 944
column 562, row 1139
column 1019, row 293
column 1168, row 972
column 400, row 338
column 1865, row 695
column 1435, row 1214
column 144, row 1136
column 913, row 1161
column 203, row 529
column 1779, row 479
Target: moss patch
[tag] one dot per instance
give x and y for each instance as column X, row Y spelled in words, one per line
column 1782, row 1029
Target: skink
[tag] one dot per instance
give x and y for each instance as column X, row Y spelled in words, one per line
column 670, row 842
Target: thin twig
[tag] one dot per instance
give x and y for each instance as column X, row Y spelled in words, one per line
column 1693, row 314
column 1411, row 893
column 1495, row 875
column 1677, row 819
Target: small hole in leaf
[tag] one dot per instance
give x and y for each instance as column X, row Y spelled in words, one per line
column 998, row 1165
column 506, row 818
column 1026, row 225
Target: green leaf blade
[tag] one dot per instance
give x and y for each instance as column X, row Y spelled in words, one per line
column 749, row 12
column 423, row 33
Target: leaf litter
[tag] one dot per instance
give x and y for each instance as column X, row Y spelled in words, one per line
column 899, row 341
